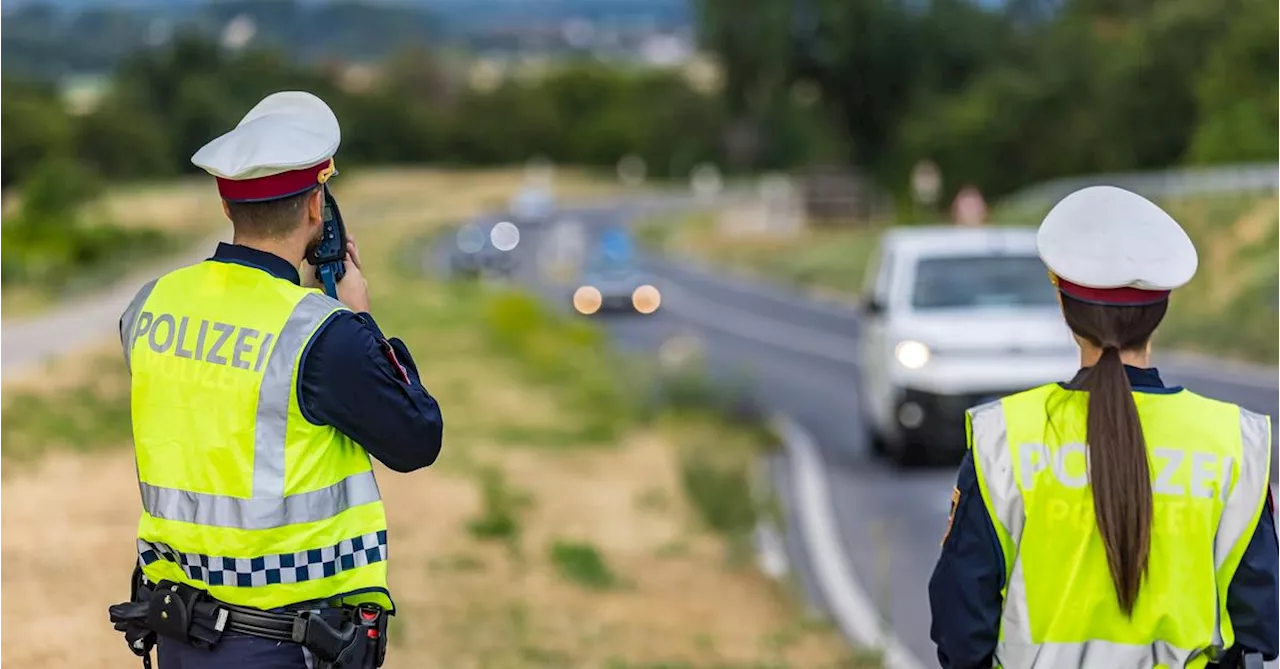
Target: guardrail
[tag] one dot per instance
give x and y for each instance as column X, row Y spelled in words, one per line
column 1179, row 182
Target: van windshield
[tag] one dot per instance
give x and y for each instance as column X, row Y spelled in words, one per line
column 969, row 282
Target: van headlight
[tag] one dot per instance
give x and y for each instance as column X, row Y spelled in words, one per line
column 911, row 354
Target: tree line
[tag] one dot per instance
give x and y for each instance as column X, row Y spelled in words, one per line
column 998, row 97
column 162, row 104
column 1013, row 94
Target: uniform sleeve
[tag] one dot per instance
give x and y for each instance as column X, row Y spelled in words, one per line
column 354, row 379
column 964, row 592
column 1253, row 600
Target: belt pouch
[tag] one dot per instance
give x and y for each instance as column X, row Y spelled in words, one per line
column 170, row 609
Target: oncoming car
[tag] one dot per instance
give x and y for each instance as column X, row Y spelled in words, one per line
column 480, row 249
column 615, row 285
column 954, row 317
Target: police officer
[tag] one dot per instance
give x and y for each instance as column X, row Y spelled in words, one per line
column 257, row 401
column 1110, row 521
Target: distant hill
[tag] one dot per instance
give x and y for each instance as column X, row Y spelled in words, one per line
column 55, row 38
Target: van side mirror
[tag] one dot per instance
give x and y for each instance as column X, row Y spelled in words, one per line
column 872, row 306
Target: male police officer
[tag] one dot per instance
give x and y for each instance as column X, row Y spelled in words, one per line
column 257, row 401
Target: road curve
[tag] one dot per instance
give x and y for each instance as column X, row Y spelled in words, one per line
column 798, row 355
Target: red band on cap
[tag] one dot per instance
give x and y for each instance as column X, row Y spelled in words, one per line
column 275, row 186
column 1121, row 297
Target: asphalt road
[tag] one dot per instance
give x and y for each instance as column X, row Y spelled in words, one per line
column 798, row 356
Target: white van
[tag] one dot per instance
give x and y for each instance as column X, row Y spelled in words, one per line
column 954, row 317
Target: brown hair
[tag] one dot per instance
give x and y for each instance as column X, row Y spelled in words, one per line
column 1119, row 470
column 272, row 219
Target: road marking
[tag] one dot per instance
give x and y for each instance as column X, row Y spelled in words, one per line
column 848, row 602
column 771, row 553
column 762, row 329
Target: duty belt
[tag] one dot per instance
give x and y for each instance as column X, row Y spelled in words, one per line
column 340, row 638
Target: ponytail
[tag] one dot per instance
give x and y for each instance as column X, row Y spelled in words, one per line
column 1120, row 475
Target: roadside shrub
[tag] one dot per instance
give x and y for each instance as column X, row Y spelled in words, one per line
column 57, row 239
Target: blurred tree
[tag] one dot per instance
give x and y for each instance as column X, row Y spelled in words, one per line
column 1043, row 114
column 55, row 192
column 1236, row 89
column 417, row 74
column 752, row 45
column 35, row 126
column 195, row 91
column 873, row 60
column 124, row 141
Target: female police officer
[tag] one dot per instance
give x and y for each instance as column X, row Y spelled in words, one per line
column 1110, row 521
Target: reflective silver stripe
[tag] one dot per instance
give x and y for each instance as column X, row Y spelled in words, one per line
column 268, row 507
column 259, row 514
column 1091, row 655
column 1241, row 509
column 277, row 386
column 1240, row 512
column 129, row 321
column 994, row 458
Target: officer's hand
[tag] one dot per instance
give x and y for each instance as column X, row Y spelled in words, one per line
column 353, row 290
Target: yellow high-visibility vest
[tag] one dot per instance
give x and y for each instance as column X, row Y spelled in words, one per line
column 1210, row 462
column 241, row 494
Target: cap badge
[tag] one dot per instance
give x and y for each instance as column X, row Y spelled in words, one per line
column 323, row 175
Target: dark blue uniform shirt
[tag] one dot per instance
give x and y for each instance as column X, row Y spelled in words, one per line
column 357, row 381
column 964, row 592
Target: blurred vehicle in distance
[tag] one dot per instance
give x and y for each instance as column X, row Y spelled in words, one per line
column 954, row 317
column 479, row 250
column 611, row 284
column 533, row 205
column 617, row 243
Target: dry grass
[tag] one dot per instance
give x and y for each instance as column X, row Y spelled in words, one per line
column 1226, row 278
column 188, row 205
column 75, row 369
column 465, row 600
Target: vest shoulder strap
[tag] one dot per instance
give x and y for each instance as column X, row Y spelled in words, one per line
column 129, row 320
column 1247, row 496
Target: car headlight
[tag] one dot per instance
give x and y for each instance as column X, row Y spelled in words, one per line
column 646, row 299
column 504, row 236
column 587, row 300
column 470, row 238
column 911, row 354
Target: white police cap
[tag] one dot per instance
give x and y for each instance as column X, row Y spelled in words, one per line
column 1106, row 245
column 282, row 147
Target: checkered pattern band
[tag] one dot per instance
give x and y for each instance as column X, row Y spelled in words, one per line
column 309, row 565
